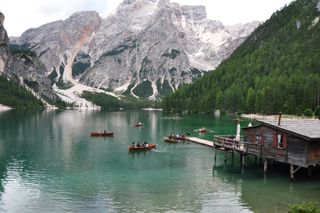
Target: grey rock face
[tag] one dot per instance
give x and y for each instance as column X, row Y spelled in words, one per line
column 156, row 41
column 4, row 45
column 24, row 65
column 31, row 71
column 146, row 48
column 58, row 43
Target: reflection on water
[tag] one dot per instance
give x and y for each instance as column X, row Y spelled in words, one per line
column 49, row 163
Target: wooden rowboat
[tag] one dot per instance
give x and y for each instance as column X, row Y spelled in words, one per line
column 143, row 147
column 139, row 124
column 170, row 139
column 101, row 134
column 202, row 130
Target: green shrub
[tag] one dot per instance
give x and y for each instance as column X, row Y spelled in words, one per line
column 308, row 112
column 317, row 112
column 305, row 207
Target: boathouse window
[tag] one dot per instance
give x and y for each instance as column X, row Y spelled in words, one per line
column 279, row 141
column 258, row 139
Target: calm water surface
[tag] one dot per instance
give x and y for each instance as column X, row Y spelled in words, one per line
column 49, row 163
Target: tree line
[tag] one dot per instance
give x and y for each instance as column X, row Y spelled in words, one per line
column 14, row 95
column 276, row 69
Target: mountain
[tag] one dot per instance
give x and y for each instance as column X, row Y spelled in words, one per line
column 4, row 44
column 58, row 43
column 13, row 91
column 146, row 48
column 275, row 69
column 149, row 48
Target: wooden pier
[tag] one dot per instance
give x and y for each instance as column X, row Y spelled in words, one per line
column 201, row 141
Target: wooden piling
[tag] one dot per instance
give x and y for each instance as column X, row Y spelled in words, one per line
column 265, row 166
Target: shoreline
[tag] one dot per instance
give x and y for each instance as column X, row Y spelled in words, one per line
column 4, row 108
column 275, row 117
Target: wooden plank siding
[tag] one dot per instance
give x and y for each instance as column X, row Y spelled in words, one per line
column 313, row 153
column 295, row 151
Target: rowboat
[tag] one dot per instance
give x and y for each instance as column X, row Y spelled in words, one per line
column 101, row 134
column 170, row 139
column 175, row 138
column 142, row 147
column 139, row 124
column 202, row 130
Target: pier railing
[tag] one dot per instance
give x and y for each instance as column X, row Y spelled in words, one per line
column 225, row 141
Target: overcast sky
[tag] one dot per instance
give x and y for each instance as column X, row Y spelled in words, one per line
column 21, row 15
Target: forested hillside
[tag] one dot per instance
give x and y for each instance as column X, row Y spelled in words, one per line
column 14, row 95
column 276, row 69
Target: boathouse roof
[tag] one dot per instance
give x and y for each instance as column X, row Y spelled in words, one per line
column 306, row 128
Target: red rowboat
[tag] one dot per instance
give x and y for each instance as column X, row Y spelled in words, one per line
column 101, row 134
column 170, row 139
column 202, row 130
column 142, row 147
column 138, row 124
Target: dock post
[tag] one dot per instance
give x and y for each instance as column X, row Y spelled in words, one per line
column 265, row 165
column 309, row 171
column 241, row 159
column 291, row 171
column 232, row 156
column 255, row 160
column 215, row 154
column 225, row 156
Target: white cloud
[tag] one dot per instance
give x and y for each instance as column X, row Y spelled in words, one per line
column 22, row 15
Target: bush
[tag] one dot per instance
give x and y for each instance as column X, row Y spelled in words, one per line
column 308, row 112
column 305, row 207
column 317, row 112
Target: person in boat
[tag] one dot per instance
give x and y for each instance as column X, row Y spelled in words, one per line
column 105, row 131
column 133, row 144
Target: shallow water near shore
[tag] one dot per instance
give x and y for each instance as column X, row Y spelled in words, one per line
column 49, row 163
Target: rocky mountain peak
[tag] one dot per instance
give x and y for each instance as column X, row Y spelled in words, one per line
column 1, row 19
column 158, row 46
column 194, row 12
column 4, row 44
column 58, row 43
column 146, row 48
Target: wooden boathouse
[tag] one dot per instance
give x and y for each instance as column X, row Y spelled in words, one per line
column 293, row 142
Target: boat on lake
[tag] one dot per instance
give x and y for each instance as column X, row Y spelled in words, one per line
column 142, row 147
column 202, row 130
column 138, row 124
column 169, row 139
column 101, row 134
column 175, row 138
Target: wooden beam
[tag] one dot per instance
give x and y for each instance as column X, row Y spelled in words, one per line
column 292, row 171
column 265, row 165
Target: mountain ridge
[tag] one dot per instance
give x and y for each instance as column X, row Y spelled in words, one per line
column 174, row 44
column 275, row 70
column 145, row 49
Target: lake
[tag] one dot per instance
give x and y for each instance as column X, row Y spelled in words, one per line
column 49, row 163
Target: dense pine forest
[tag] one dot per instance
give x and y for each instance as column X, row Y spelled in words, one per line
column 14, row 95
column 107, row 102
column 276, row 69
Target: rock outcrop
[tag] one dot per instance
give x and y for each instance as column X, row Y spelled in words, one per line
column 58, row 43
column 146, row 48
column 4, row 45
column 149, row 48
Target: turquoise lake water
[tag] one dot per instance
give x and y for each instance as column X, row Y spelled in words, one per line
column 49, row 163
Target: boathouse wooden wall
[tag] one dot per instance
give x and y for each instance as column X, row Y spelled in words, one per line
column 314, row 153
column 295, row 150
